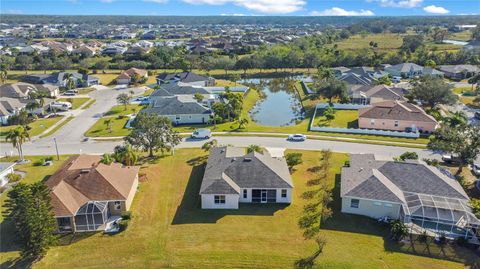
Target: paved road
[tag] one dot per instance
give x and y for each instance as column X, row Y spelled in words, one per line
column 47, row 146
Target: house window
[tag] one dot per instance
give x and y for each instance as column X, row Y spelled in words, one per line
column 396, row 123
column 245, row 193
column 354, row 203
column 377, row 203
column 177, row 117
column 284, row 193
column 388, row 205
column 372, row 122
column 219, row 199
column 117, row 205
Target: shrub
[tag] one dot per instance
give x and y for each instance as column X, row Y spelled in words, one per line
column 127, row 215
column 123, row 224
column 347, row 163
column 121, row 117
column 12, row 177
column 40, row 162
column 49, row 158
column 409, row 155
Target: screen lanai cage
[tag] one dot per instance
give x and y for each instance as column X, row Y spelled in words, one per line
column 91, row 216
column 448, row 216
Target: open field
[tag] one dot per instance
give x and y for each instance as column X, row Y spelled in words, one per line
column 343, row 119
column 37, row 127
column 168, row 229
column 76, row 102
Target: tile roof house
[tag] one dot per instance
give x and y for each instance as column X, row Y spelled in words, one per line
column 368, row 94
column 232, row 177
column 126, row 76
column 410, row 70
column 420, row 195
column 396, row 116
column 180, row 109
column 185, row 77
column 87, row 195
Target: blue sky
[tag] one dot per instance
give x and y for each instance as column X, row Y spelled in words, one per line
column 242, row 7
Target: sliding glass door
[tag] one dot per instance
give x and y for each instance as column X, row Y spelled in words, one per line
column 264, row 196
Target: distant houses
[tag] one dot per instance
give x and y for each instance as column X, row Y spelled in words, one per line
column 185, row 77
column 60, row 79
column 461, row 71
column 396, row 116
column 180, row 110
column 375, row 94
column 133, row 73
column 411, row 70
column 232, row 177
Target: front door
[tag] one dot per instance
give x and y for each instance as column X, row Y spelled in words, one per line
column 264, row 196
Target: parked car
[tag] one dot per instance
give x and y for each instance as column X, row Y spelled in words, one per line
column 70, row 93
column 141, row 98
column 297, row 137
column 396, row 79
column 449, row 158
column 476, row 169
column 202, row 134
column 61, row 106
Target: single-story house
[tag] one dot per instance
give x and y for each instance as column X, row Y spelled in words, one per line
column 418, row 194
column 374, row 94
column 9, row 107
column 405, row 70
column 396, row 116
column 185, row 77
column 60, row 79
column 126, row 76
column 180, row 110
column 232, row 177
column 87, row 194
column 459, row 71
column 180, row 89
column 22, row 90
column 5, row 169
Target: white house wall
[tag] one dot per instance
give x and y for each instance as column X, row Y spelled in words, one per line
column 371, row 208
column 3, row 176
column 231, row 201
column 189, row 118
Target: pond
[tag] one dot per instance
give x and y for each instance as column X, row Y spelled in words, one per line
column 279, row 104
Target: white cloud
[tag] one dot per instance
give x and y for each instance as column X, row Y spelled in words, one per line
column 233, row 14
column 398, row 3
column 436, row 10
column 156, row 1
column 336, row 11
column 13, row 11
column 264, row 6
column 107, row 1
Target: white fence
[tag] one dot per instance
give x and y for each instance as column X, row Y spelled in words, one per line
column 355, row 130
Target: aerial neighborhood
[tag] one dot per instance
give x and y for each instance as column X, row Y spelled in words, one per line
column 240, row 141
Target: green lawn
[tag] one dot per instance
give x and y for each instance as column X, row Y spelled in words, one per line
column 37, row 127
column 116, row 114
column 169, row 230
column 343, row 119
column 86, row 90
column 386, row 42
column 469, row 101
column 76, row 102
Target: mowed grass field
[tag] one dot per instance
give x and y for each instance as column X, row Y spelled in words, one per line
column 343, row 119
column 169, row 230
column 37, row 127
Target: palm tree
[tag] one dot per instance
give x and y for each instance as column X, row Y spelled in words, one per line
column 17, row 137
column 108, row 123
column 210, row 144
column 242, row 123
column 70, row 84
column 125, row 154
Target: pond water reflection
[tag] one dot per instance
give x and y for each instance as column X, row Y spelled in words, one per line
column 279, row 105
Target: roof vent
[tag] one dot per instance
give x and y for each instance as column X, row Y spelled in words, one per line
column 361, row 169
column 247, row 159
column 84, row 171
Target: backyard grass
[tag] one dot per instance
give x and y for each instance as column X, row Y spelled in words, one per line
column 461, row 36
column 468, row 101
column 169, row 230
column 37, row 127
column 76, row 102
column 343, row 119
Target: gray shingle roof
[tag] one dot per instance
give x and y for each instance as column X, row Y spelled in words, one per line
column 388, row 180
column 175, row 106
column 183, row 77
column 226, row 175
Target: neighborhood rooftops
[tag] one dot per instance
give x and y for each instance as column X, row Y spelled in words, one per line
column 380, row 91
column 186, row 77
column 83, row 178
column 22, row 90
column 229, row 169
column 395, row 110
column 176, row 105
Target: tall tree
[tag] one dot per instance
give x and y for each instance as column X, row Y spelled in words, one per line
column 461, row 140
column 125, row 154
column 17, row 137
column 29, row 208
column 332, row 88
column 432, row 91
column 152, row 132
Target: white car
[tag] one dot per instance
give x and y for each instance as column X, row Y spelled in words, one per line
column 476, row 169
column 202, row 134
column 297, row 137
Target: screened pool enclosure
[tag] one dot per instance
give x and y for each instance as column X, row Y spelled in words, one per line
column 91, row 216
column 449, row 216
